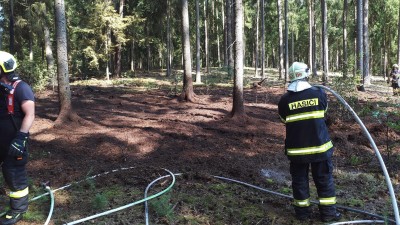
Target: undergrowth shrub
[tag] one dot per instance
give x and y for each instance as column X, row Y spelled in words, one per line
column 391, row 121
column 163, row 207
column 345, row 87
column 35, row 74
column 100, row 201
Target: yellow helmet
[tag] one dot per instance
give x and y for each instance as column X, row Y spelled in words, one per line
column 7, row 62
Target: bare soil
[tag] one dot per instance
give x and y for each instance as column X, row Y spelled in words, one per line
column 125, row 127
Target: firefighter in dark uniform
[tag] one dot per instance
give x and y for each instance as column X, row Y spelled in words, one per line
column 307, row 143
column 395, row 76
column 17, row 113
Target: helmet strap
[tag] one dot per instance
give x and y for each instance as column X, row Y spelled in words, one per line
column 12, row 76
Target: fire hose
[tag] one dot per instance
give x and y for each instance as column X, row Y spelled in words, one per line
column 146, row 198
column 51, row 204
column 383, row 219
column 378, row 154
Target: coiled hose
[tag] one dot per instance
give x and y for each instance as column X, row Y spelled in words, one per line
column 50, row 192
column 128, row 205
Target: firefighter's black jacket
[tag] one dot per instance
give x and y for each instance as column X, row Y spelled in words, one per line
column 307, row 137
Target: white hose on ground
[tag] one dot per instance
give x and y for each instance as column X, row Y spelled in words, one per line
column 51, row 205
column 128, row 205
column 51, row 192
column 146, row 206
column 274, row 193
column 378, row 154
column 86, row 179
column 358, row 221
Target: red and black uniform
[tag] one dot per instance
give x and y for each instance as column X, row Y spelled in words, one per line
column 308, row 143
column 13, row 168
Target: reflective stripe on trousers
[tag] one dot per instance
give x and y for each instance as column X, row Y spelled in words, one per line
column 302, row 203
column 327, row 201
column 19, row 194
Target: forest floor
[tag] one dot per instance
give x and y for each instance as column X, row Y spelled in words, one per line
column 136, row 128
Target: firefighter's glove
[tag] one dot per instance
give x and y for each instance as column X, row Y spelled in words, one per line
column 18, row 144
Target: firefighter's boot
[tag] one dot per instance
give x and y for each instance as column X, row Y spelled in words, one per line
column 329, row 218
column 11, row 218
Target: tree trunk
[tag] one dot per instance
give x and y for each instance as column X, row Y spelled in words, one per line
column 314, row 41
column 273, row 55
column 279, row 6
column 359, row 42
column 11, row 27
column 1, row 26
column 187, row 91
column 49, row 52
column 325, row 40
column 238, row 100
column 108, row 38
column 206, row 36
column 133, row 56
column 389, row 51
column 366, row 77
column 30, row 48
column 218, row 40
column 64, row 90
column 292, row 45
column 398, row 41
column 262, row 39
column 257, row 41
column 168, row 39
column 118, row 48
column 286, row 42
column 198, row 76
column 345, row 63
column 107, row 46
column 384, row 58
column 49, row 55
column 229, row 36
column 149, row 61
column 310, row 27
column 225, row 28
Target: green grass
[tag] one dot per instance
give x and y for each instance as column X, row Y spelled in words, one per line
column 163, row 207
column 216, row 78
column 100, row 201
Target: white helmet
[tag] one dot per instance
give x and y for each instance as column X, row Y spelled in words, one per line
column 7, row 62
column 395, row 66
column 298, row 71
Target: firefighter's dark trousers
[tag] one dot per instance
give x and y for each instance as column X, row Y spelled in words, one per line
column 14, row 171
column 322, row 176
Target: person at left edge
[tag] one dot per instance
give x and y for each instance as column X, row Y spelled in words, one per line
column 17, row 113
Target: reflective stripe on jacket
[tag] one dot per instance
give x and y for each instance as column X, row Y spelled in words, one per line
column 307, row 137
